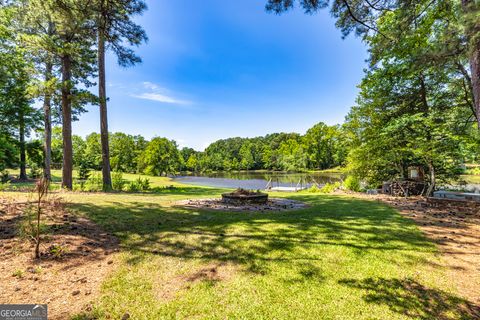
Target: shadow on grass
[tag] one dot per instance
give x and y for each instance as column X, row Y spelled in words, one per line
column 243, row 237
column 28, row 186
column 295, row 240
column 410, row 298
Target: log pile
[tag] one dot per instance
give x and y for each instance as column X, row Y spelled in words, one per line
column 402, row 188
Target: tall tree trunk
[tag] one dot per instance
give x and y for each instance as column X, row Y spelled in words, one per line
column 433, row 178
column 47, row 146
column 102, row 94
column 67, row 170
column 23, row 156
column 475, row 69
column 471, row 9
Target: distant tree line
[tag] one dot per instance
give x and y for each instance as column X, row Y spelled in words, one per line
column 322, row 147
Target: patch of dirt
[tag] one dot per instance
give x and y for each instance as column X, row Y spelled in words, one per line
column 76, row 256
column 214, row 273
column 272, row 205
column 455, row 230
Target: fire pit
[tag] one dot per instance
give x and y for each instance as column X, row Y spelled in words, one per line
column 242, row 196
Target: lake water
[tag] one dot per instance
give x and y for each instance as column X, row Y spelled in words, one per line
column 257, row 180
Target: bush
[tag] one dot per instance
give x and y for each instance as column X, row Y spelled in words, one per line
column 5, row 176
column 144, row 184
column 94, row 183
column 83, row 171
column 79, row 186
column 117, row 181
column 27, row 228
column 473, row 171
column 131, row 187
column 330, row 187
column 327, row 188
column 352, row 183
column 4, row 186
column 35, row 172
column 138, row 185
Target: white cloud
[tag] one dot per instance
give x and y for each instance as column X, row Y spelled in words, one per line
column 151, row 85
column 159, row 94
column 161, row 98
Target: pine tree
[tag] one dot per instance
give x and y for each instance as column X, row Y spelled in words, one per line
column 114, row 28
column 18, row 115
column 73, row 39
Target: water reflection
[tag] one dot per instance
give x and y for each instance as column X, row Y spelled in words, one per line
column 257, row 180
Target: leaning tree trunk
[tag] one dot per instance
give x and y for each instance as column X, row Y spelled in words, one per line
column 47, row 147
column 471, row 9
column 67, row 170
column 23, row 156
column 102, row 94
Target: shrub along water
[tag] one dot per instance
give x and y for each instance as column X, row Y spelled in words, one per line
column 352, row 183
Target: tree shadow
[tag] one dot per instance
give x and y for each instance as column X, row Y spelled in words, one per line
column 411, row 298
column 64, row 237
column 8, row 226
column 82, row 237
column 254, row 238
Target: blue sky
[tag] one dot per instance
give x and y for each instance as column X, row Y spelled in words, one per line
column 214, row 69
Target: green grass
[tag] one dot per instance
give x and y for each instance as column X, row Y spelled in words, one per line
column 340, row 170
column 155, row 182
column 342, row 258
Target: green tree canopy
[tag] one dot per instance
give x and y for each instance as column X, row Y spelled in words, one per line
column 161, row 157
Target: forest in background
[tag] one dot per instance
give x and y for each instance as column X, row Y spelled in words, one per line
column 322, row 147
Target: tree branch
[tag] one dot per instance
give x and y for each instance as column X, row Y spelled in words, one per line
column 354, row 17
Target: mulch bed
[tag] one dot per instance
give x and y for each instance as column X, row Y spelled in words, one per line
column 76, row 257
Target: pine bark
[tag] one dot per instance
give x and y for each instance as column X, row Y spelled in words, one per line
column 47, row 114
column 102, row 94
column 470, row 7
column 67, row 169
column 23, row 156
column 475, row 70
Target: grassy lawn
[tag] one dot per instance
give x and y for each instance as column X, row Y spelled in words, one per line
column 155, row 182
column 342, row 258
